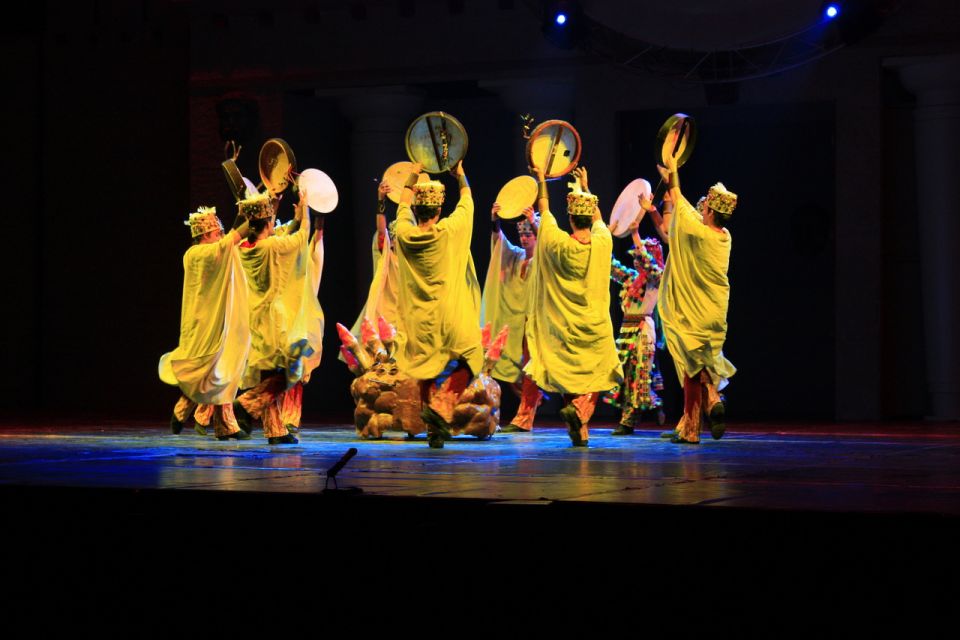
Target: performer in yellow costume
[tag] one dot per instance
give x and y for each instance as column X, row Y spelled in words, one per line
column 569, row 334
column 214, row 327
column 440, row 297
column 694, row 294
column 383, row 295
column 507, row 296
column 286, row 321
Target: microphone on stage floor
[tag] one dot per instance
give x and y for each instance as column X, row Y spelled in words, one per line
column 336, row 468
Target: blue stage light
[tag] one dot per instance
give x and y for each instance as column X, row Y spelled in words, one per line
column 561, row 18
column 832, row 11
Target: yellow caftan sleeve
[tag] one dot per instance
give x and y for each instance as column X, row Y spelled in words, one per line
column 286, row 321
column 507, row 292
column 569, row 332
column 439, row 298
column 209, row 360
column 694, row 295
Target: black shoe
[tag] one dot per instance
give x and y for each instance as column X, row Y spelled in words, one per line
column 679, row 440
column 287, row 439
column 669, row 435
column 239, row 435
column 622, row 430
column 440, row 430
column 244, row 419
column 292, row 428
column 512, row 428
column 717, row 420
column 569, row 415
column 200, row 429
column 175, row 425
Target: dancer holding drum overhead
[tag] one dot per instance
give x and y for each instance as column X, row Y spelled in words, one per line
column 441, row 296
column 569, row 334
column 694, row 295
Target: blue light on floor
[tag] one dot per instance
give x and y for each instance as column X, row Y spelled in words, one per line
column 832, row 11
column 561, row 18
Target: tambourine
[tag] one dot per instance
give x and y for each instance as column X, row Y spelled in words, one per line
column 554, row 146
column 515, row 196
column 682, row 149
column 627, row 209
column 322, row 194
column 235, row 179
column 396, row 176
column 437, row 141
column 277, row 165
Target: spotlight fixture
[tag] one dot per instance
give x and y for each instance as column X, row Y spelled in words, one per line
column 831, row 11
column 562, row 23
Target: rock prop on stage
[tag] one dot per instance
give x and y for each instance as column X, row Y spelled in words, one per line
column 386, row 399
column 477, row 410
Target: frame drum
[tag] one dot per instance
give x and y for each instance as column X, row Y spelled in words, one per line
column 554, row 146
column 437, row 141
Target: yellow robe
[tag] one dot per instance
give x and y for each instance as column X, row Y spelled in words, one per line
column 439, row 293
column 569, row 332
column 383, row 295
column 286, row 321
column 214, row 325
column 694, row 294
column 507, row 293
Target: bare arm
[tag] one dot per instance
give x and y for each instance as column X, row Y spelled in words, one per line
column 407, row 196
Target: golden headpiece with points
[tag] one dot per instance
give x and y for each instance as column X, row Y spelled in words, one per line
column 257, row 207
column 721, row 200
column 203, row 220
column 524, row 226
column 429, row 193
column 579, row 202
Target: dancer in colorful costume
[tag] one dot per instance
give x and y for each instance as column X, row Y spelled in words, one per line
column 569, row 334
column 214, row 328
column 636, row 341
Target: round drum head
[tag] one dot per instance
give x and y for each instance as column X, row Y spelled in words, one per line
column 322, row 194
column 627, row 210
column 396, row 176
column 681, row 148
column 515, row 196
column 234, row 179
column 437, row 141
column 277, row 163
column 554, row 146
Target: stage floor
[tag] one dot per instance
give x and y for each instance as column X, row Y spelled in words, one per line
column 827, row 468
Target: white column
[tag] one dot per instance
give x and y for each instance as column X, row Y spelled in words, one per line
column 935, row 81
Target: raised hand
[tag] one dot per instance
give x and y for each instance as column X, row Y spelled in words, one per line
column 580, row 175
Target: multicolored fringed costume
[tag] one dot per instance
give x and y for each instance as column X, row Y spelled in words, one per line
column 637, row 341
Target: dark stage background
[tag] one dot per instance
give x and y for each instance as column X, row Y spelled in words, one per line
column 113, row 134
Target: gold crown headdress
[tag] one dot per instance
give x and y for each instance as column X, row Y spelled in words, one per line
column 257, row 207
column 721, row 200
column 203, row 220
column 579, row 202
column 429, row 193
column 524, row 226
